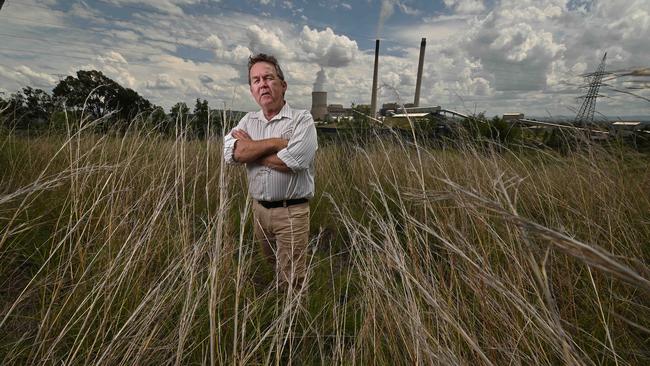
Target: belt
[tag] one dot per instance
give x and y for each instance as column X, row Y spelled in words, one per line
column 284, row 203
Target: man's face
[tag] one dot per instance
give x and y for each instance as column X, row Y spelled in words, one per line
column 266, row 87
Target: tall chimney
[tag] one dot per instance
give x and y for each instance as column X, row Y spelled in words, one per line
column 418, row 82
column 373, row 99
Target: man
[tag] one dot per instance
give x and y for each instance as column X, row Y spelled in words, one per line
column 278, row 145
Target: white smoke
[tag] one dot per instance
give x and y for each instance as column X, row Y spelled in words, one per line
column 384, row 13
column 321, row 78
column 326, row 49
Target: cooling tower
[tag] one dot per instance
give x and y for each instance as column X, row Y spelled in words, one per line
column 373, row 99
column 418, row 82
column 319, row 105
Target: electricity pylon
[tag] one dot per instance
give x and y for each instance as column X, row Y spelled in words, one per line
column 586, row 113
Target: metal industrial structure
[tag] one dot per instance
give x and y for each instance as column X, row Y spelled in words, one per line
column 586, row 112
column 373, row 98
column 319, row 105
column 418, row 82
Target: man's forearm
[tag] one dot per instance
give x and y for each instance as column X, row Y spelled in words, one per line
column 272, row 161
column 248, row 151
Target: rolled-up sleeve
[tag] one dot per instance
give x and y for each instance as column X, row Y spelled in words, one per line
column 301, row 149
column 229, row 142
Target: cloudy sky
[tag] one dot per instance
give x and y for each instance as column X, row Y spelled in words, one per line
column 482, row 55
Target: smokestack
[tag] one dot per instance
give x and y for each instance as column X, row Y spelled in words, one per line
column 418, row 82
column 319, row 105
column 373, row 99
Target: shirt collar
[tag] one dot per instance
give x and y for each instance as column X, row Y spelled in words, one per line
column 285, row 112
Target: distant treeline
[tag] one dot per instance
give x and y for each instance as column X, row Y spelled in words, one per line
column 92, row 97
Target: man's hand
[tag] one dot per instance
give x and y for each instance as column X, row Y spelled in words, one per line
column 241, row 135
column 248, row 150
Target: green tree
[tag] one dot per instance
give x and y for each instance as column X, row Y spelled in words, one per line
column 216, row 121
column 502, row 131
column 27, row 109
column 157, row 120
column 360, row 115
column 98, row 95
column 39, row 104
column 179, row 115
column 130, row 103
column 200, row 119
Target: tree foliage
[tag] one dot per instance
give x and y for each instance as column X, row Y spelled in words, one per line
column 99, row 95
column 179, row 111
column 27, row 109
column 495, row 129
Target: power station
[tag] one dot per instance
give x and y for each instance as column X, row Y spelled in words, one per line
column 320, row 110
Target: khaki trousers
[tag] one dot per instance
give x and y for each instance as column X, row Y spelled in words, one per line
column 283, row 233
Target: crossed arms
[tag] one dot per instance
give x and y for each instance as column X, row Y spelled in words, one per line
column 292, row 155
column 263, row 152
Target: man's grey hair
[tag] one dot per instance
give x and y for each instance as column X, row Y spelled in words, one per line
column 262, row 57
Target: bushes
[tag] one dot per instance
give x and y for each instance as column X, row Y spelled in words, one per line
column 495, row 129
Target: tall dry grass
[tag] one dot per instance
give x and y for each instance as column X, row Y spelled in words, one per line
column 137, row 249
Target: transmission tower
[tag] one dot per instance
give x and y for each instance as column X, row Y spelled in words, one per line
column 586, row 113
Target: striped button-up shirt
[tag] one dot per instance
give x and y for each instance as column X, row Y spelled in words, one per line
column 266, row 184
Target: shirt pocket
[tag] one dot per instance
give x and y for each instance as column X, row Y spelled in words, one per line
column 287, row 132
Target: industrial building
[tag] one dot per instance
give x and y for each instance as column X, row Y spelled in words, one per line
column 509, row 117
column 321, row 111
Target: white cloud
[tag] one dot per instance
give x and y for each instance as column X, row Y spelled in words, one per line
column 162, row 81
column 438, row 29
column 482, row 55
column 42, row 16
column 83, row 11
column 112, row 57
column 236, row 56
column 326, row 48
column 36, row 78
column 206, row 79
column 407, row 9
column 521, row 42
column 386, row 10
column 213, row 42
column 124, row 35
column 465, row 6
column 167, row 6
column 28, row 77
column 266, row 41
